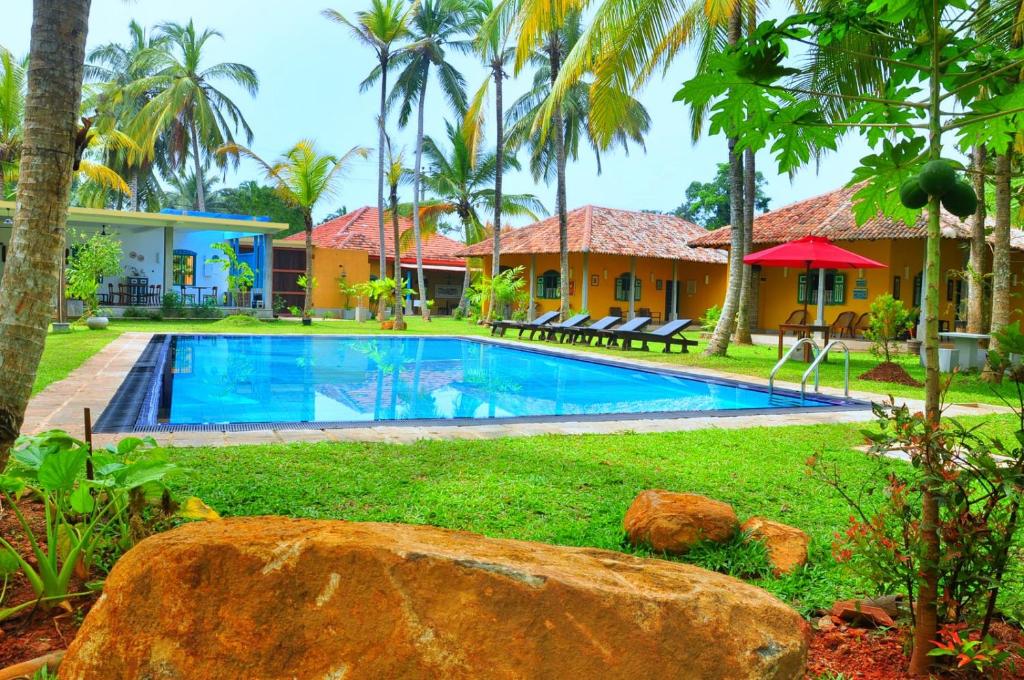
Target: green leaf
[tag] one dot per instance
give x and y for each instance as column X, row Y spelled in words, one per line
column 143, row 472
column 58, row 473
column 11, row 485
column 81, row 500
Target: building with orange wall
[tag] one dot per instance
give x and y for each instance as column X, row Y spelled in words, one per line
column 779, row 291
column 348, row 247
column 607, row 248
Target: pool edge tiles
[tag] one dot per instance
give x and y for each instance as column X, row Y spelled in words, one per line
column 138, row 398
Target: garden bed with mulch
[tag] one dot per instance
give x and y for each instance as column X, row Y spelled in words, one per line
column 890, row 372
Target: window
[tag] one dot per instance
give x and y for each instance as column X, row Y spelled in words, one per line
column 547, row 285
column 896, row 288
column 835, row 288
column 917, row 289
column 622, row 286
column 183, row 268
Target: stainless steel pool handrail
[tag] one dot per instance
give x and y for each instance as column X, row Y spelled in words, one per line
column 815, row 366
column 787, row 356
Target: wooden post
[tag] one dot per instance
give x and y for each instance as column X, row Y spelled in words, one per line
column 87, row 415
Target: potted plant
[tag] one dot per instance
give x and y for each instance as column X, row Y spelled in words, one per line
column 307, row 285
column 279, row 305
column 347, row 291
column 381, row 290
column 240, row 275
column 88, row 263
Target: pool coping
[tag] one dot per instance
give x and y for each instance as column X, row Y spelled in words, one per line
column 93, row 384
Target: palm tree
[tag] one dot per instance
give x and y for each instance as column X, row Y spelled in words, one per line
column 48, row 151
column 396, row 173
column 116, row 67
column 570, row 126
column 183, row 192
column 435, row 25
column 462, row 180
column 13, row 72
column 379, row 28
column 196, row 117
column 303, row 176
column 492, row 44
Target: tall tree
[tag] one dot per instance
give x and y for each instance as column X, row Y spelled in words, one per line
column 379, row 28
column 303, row 176
column 492, row 44
column 435, row 26
column 186, row 104
column 978, row 263
column 462, row 179
column 396, row 173
column 48, row 152
column 554, row 132
column 707, row 203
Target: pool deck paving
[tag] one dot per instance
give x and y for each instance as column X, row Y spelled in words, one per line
column 93, row 384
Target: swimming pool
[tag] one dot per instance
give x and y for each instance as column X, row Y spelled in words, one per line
column 240, row 381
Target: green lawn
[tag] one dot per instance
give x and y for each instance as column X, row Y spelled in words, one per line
column 64, row 352
column 556, row 489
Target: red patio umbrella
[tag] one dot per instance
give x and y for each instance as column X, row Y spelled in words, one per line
column 812, row 252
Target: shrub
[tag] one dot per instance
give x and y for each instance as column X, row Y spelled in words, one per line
column 135, row 313
column 458, row 314
column 171, row 305
column 509, row 290
column 710, row 318
column 98, row 256
column 889, row 321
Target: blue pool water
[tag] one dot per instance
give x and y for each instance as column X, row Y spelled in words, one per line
column 255, row 379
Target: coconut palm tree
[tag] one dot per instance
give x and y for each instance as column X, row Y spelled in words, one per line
column 303, row 176
column 13, row 74
column 115, row 68
column 435, row 26
column 492, row 43
column 462, row 179
column 569, row 130
column 396, row 173
column 380, row 27
column 48, row 151
column 186, row 104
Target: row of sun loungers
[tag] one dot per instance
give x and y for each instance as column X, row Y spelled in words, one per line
column 608, row 331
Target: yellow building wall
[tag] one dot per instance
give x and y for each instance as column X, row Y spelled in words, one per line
column 904, row 257
column 328, row 266
column 700, row 285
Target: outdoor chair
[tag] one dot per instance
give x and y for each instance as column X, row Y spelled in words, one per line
column 499, row 327
column 588, row 333
column 211, row 296
column 669, row 334
column 842, row 327
column 615, row 311
column 646, row 311
column 612, row 336
column 797, row 316
column 863, row 324
column 557, row 331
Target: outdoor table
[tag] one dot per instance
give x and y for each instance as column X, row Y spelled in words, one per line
column 198, row 293
column 967, row 343
column 803, row 330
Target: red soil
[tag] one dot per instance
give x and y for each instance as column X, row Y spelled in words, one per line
column 889, row 372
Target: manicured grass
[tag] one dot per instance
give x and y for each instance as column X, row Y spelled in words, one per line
column 555, row 489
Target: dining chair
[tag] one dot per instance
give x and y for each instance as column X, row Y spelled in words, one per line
column 212, row 296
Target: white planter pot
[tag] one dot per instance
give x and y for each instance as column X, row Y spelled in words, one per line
column 348, row 314
column 97, row 323
column 61, row 327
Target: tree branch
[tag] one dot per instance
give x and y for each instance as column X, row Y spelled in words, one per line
column 977, row 119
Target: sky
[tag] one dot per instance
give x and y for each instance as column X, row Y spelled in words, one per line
column 310, row 70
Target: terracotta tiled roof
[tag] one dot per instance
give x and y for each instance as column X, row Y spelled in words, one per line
column 831, row 215
column 609, row 231
column 359, row 230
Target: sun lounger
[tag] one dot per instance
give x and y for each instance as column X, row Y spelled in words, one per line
column 588, row 333
column 611, row 335
column 552, row 332
column 499, row 327
column 669, row 334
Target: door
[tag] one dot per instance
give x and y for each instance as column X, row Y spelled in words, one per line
column 669, row 312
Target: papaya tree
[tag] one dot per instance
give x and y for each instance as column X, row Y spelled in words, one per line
column 942, row 52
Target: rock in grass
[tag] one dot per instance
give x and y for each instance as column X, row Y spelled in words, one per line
column 787, row 546
column 280, row 598
column 670, row 522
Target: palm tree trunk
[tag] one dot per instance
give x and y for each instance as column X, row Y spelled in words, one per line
column 381, row 142
column 399, row 321
column 979, row 250
column 200, row 188
column 555, row 53
column 424, row 310
column 134, row 200
column 307, row 303
column 742, row 334
column 1000, row 257
column 499, row 161
column 32, row 271
column 719, row 343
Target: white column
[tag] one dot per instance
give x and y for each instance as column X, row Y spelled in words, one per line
column 631, row 294
column 820, row 321
column 675, row 294
column 268, row 272
column 585, row 303
column 532, row 286
column 168, row 260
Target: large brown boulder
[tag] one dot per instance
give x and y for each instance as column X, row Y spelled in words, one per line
column 787, row 546
column 671, row 522
column 280, row 598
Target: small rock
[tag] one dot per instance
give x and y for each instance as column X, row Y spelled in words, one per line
column 673, row 522
column 824, row 623
column 787, row 546
column 859, row 613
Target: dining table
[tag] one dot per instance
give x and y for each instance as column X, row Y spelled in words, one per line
column 197, row 296
column 803, row 330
